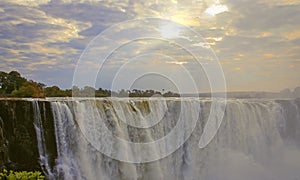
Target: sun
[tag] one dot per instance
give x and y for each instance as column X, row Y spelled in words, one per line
column 169, row 31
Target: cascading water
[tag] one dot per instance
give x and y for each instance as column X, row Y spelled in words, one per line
column 44, row 158
column 258, row 139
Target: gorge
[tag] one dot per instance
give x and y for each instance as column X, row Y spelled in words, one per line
column 257, row 139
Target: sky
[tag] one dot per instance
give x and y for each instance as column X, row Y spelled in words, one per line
column 254, row 44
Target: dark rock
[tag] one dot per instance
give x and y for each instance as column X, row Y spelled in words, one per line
column 18, row 139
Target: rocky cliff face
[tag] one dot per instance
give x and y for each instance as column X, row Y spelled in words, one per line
column 3, row 146
column 18, row 136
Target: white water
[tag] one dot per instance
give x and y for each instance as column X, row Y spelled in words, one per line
column 44, row 159
column 258, row 139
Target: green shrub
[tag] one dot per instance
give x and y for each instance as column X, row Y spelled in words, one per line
column 24, row 175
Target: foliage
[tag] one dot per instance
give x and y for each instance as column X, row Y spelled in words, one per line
column 29, row 89
column 13, row 85
column 54, row 91
column 11, row 81
column 150, row 93
column 24, row 175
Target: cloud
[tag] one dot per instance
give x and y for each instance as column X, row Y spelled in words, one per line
column 99, row 14
column 259, row 16
column 293, row 35
column 216, row 9
column 258, row 39
column 29, row 2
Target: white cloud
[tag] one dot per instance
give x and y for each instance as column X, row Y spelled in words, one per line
column 202, row 44
column 216, row 9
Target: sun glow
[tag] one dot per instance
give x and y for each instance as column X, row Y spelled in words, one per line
column 216, row 8
column 186, row 20
column 169, row 32
column 176, row 62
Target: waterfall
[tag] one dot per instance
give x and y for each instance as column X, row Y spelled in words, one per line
column 38, row 125
column 258, row 139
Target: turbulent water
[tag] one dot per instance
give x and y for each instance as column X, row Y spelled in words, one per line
column 257, row 139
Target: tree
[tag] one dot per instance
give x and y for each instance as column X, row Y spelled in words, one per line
column 123, row 93
column 3, row 79
column 13, row 84
column 54, row 91
column 11, row 81
column 171, row 94
column 102, row 93
column 30, row 89
column 297, row 92
column 75, row 91
column 88, row 91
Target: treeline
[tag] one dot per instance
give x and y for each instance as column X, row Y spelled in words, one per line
column 12, row 84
